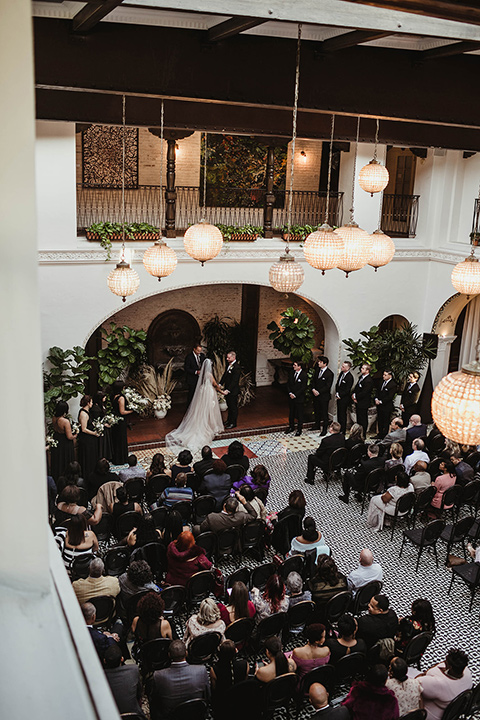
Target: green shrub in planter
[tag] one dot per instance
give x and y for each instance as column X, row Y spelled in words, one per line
column 240, row 232
column 108, row 231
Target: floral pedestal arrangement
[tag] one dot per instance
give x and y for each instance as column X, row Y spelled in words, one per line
column 160, row 406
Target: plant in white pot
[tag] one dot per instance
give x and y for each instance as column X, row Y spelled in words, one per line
column 156, row 386
column 161, row 405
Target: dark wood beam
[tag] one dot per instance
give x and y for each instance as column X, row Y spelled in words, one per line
column 350, row 39
column 450, row 50
column 232, row 26
column 455, row 10
column 92, row 13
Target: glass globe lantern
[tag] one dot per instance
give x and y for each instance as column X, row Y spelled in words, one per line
column 383, row 249
column 160, row 260
column 357, row 247
column 373, row 178
column 286, row 275
column 323, row 249
column 123, row 280
column 203, row 241
column 466, row 276
column 456, row 405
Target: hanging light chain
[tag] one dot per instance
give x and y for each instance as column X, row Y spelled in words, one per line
column 354, row 170
column 330, row 153
column 123, row 177
column 204, row 202
column 160, row 205
column 294, row 134
column 376, row 140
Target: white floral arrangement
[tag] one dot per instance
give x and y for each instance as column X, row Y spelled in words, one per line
column 75, row 427
column 50, row 442
column 98, row 426
column 135, row 401
column 162, row 403
column 108, row 420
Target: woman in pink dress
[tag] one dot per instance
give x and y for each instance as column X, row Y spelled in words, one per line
column 314, row 653
column 443, row 482
column 443, row 682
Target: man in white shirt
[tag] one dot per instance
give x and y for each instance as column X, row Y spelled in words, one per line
column 134, row 470
column 417, row 454
column 366, row 571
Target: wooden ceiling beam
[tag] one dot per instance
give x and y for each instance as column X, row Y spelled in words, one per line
column 350, row 39
column 450, row 50
column 92, row 13
column 453, row 10
column 232, row 26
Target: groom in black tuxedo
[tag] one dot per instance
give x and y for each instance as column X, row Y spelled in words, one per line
column 231, row 384
column 193, row 365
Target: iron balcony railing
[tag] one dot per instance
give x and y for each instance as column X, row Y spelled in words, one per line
column 475, row 234
column 400, row 215
column 243, row 206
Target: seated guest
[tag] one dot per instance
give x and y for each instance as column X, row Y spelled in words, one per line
column 239, row 606
column 318, row 696
column 464, row 472
column 157, row 466
column 415, row 429
column 178, row 683
column 72, row 475
column 236, row 455
column 76, row 541
column 137, row 578
column 272, row 600
column 203, row 466
column 296, row 506
column 134, row 470
column 396, row 433
column 278, row 664
column 408, row 691
column 150, row 624
column 396, row 454
column 226, row 672
column 417, row 454
column 370, row 698
column 206, row 620
column 356, row 478
column 295, row 591
column 229, row 517
column 183, row 464
column 123, row 504
column 355, row 437
column 315, row 653
column 420, row 620
column 326, row 582
column 310, row 539
column 381, row 505
column 217, row 483
column 99, row 477
column 144, row 533
column 180, row 491
column 67, row 507
column 420, row 478
column 443, row 482
column 101, row 640
column 247, row 492
column 331, row 442
column 259, row 479
column 124, row 681
column 173, row 527
column 96, row 584
column 346, row 642
column 184, row 559
column 366, row 572
column 381, row 621
column 443, row 682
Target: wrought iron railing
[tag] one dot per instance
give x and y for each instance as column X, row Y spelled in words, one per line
column 475, row 234
column 400, row 215
column 143, row 203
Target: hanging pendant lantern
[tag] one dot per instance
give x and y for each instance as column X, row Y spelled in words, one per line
column 160, row 260
column 456, row 405
column 286, row 275
column 466, row 276
column 357, row 247
column 323, row 249
column 123, row 280
column 373, row 178
column 203, row 241
column 383, row 249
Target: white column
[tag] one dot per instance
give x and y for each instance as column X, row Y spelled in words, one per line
column 439, row 366
column 23, row 528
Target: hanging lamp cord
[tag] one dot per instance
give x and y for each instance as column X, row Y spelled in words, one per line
column 354, row 171
column 204, row 202
column 376, row 140
column 330, row 154
column 123, row 178
column 160, row 204
column 294, row 135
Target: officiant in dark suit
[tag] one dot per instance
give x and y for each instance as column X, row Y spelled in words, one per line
column 193, row 365
column 296, row 385
column 231, row 383
column 321, row 391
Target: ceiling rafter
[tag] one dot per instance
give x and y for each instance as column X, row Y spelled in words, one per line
column 232, row 26
column 92, row 13
column 450, row 50
column 350, row 39
column 466, row 11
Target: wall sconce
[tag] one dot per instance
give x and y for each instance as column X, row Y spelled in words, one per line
column 303, row 155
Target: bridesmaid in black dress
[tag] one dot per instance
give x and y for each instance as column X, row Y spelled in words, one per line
column 88, row 439
column 98, row 412
column 64, row 453
column 119, row 431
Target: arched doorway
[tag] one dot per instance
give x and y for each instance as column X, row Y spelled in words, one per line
column 172, row 334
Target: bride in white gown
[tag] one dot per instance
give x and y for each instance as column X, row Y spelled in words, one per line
column 203, row 419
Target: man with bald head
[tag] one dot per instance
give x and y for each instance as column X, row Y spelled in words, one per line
column 415, row 430
column 366, row 571
column 318, row 697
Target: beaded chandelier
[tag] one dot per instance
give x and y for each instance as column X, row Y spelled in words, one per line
column 456, row 405
column 374, row 177
column 466, row 276
column 383, row 249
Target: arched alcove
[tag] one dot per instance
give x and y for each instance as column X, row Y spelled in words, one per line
column 392, row 322
column 171, row 334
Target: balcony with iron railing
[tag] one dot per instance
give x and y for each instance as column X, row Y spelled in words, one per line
column 400, row 215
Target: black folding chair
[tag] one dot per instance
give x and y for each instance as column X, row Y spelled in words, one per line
column 350, row 667
column 279, row 693
column 391, row 475
column 135, row 489
column 452, row 500
column 364, row 595
column 199, row 586
column 203, row 506
column 260, row 575
column 284, row 531
column 268, row 627
column 337, row 606
column 227, row 541
column 153, row 655
column 335, row 462
column 242, row 700
column 298, row 616
column 419, row 714
column 373, row 481
column 159, row 517
column 174, row 599
column 325, row 675
column 195, row 709
column 253, row 538
column 184, row 508
column 193, row 482
column 156, row 485
column 105, row 608
column 240, row 575
column 131, row 605
column 295, row 563
column 104, row 528
column 423, row 502
column 470, row 574
column 453, row 534
column 415, row 648
column 207, row 541
column 403, row 509
column 240, row 631
column 236, row 472
column 116, row 561
column 425, row 537
column 80, row 567
column 458, row 706
column 155, row 554
column 473, row 459
column 474, row 706
column 125, row 523
column 355, row 454
column 203, row 647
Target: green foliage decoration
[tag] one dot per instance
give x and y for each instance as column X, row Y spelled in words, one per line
column 125, row 347
column 300, row 231
column 295, row 336
column 217, row 333
column 247, row 231
column 108, row 231
column 66, row 377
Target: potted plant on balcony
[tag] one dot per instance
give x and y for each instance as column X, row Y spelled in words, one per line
column 108, row 232
column 298, row 232
column 240, row 232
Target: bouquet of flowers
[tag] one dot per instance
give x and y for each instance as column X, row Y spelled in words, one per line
column 110, row 419
column 98, row 426
column 162, row 402
column 135, row 401
column 75, row 427
column 50, row 442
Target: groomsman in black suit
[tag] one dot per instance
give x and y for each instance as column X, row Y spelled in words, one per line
column 296, row 385
column 193, row 365
column 408, row 403
column 321, row 388
column 231, row 383
column 362, row 396
column 384, row 402
column 343, row 390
